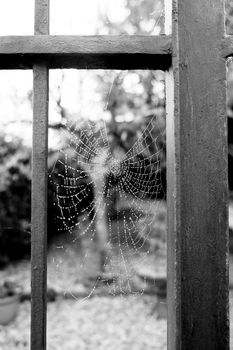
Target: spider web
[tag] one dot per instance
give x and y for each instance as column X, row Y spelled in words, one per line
column 108, row 198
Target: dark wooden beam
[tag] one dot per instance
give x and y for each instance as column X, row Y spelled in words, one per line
column 39, row 188
column 119, row 52
column 197, row 181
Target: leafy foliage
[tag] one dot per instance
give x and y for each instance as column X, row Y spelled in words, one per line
column 15, row 194
column 15, row 200
column 142, row 17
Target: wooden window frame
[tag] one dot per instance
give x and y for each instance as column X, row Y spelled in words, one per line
column 196, row 156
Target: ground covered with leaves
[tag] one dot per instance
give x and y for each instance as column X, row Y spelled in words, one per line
column 85, row 312
column 81, row 316
column 98, row 323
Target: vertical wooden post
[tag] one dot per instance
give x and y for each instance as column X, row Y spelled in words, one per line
column 39, row 188
column 197, row 181
column 171, row 192
column 171, row 208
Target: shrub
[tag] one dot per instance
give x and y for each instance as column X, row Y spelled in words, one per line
column 15, row 200
column 15, row 194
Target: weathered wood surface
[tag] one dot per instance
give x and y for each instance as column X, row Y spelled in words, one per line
column 65, row 44
column 39, row 188
column 39, row 209
column 86, row 52
column 171, row 176
column 41, row 25
column 172, row 272
column 197, row 181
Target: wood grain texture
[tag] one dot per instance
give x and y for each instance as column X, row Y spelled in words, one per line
column 39, row 208
column 66, row 44
column 172, row 273
column 39, row 188
column 197, row 181
column 86, row 52
column 41, row 25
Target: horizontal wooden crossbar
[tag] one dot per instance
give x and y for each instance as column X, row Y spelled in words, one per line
column 119, row 52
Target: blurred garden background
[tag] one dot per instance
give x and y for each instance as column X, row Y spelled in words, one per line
column 106, row 185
